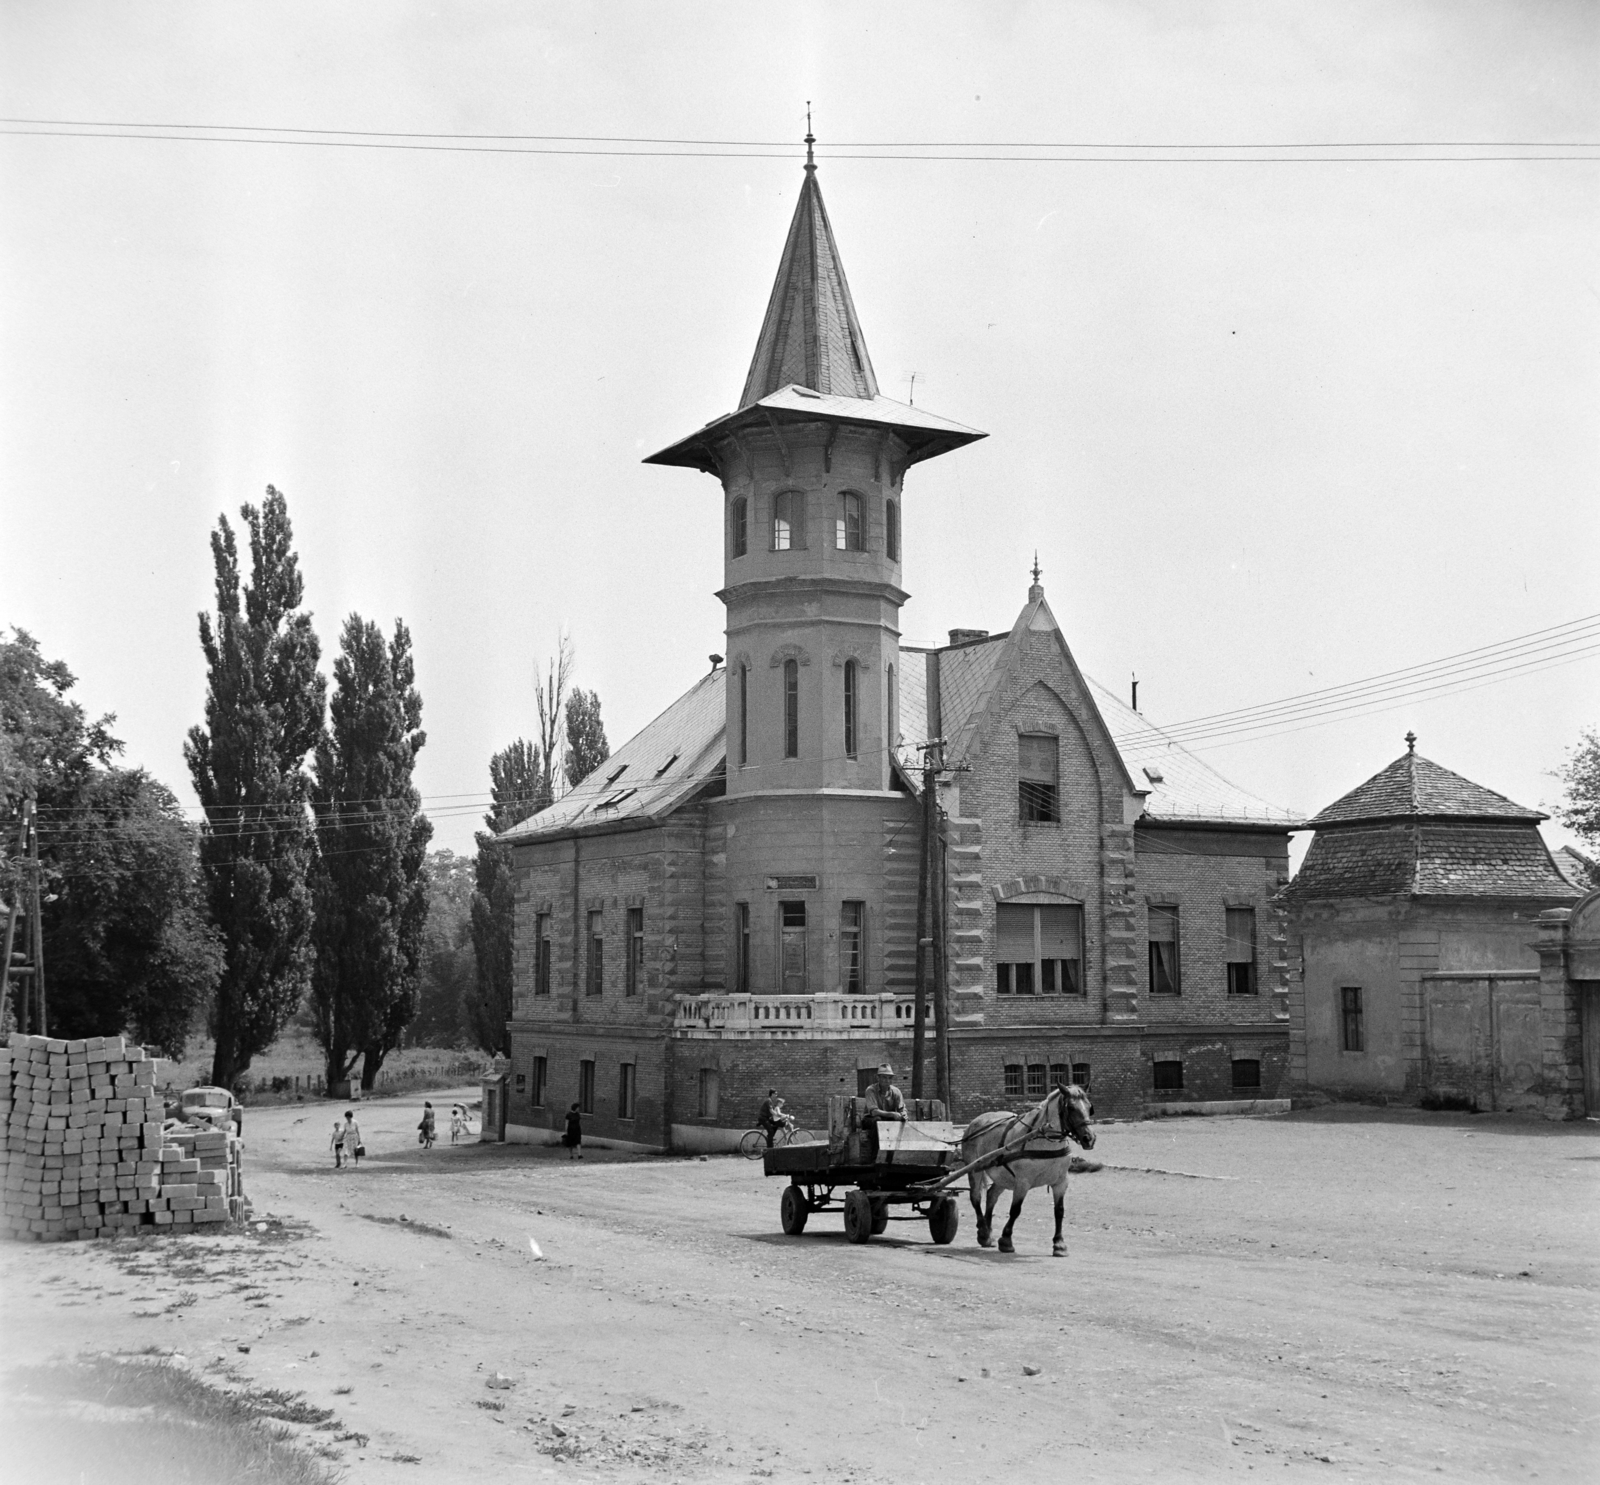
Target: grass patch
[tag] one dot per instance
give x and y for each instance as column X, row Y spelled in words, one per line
column 427, row 1229
column 147, row 1421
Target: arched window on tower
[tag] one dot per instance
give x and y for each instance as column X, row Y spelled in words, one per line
column 850, row 673
column 744, row 715
column 847, row 528
column 891, row 530
column 791, row 708
column 892, row 698
column 739, row 527
column 788, row 521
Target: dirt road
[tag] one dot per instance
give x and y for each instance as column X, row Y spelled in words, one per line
column 1343, row 1295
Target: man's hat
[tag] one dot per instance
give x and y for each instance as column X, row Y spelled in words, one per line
column 884, row 1070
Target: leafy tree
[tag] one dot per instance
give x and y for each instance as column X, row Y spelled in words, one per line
column 126, row 944
column 1580, row 811
column 449, row 985
column 264, row 706
column 370, row 879
column 587, row 747
column 517, row 789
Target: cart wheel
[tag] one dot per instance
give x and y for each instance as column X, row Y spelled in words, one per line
column 880, row 1217
column 858, row 1216
column 794, row 1209
column 754, row 1144
column 943, row 1219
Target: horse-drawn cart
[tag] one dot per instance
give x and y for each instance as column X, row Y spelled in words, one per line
column 878, row 1166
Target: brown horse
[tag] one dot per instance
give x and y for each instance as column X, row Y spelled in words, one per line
column 1030, row 1150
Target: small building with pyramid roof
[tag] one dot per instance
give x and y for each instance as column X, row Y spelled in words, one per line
column 760, row 890
column 1414, row 927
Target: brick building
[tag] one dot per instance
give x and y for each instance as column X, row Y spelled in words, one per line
column 729, row 903
column 1415, row 927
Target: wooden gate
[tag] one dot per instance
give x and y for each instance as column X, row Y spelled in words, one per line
column 1483, row 1040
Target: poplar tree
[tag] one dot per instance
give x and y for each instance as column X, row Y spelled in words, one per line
column 264, row 706
column 518, row 787
column 587, row 747
column 370, row 883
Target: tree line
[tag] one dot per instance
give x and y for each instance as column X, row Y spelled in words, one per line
column 307, row 888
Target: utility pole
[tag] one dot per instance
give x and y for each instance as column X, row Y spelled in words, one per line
column 26, row 963
column 925, row 925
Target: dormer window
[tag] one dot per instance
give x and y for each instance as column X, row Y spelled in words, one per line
column 739, row 527
column 611, row 801
column 788, row 521
column 615, row 774
column 665, row 766
column 847, row 527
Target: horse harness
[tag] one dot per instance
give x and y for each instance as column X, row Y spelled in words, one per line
column 1056, row 1136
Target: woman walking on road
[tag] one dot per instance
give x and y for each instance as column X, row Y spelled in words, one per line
column 426, row 1130
column 352, row 1139
column 573, row 1138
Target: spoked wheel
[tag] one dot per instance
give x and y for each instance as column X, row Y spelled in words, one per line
column 793, row 1210
column 801, row 1137
column 858, row 1216
column 753, row 1144
column 944, row 1218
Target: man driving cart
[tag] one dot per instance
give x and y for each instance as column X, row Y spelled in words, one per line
column 884, row 1100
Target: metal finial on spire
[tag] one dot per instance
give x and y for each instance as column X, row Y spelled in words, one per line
column 1035, row 593
column 1411, row 742
column 1036, row 568
column 811, row 139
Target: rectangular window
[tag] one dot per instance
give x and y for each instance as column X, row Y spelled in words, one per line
column 1241, row 928
column 1169, row 1076
column 1247, row 1072
column 1059, row 1073
column 536, row 1088
column 739, row 527
column 625, row 1083
column 850, row 671
column 1039, row 949
column 791, row 708
column 1037, row 1087
column 541, row 951
column 595, row 982
column 1038, row 782
column 1081, row 1073
column 1013, row 1080
column 741, row 947
column 891, row 530
column 635, row 975
column 586, row 1087
column 792, row 947
column 1354, row 1033
column 744, row 715
column 852, row 922
column 710, row 1093
column 847, row 528
column 1163, row 951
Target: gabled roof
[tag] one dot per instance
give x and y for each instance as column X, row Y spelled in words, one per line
column 1178, row 787
column 1414, row 787
column 654, row 772
column 810, row 336
column 1577, row 868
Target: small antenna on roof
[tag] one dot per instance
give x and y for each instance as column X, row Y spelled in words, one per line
column 1135, row 675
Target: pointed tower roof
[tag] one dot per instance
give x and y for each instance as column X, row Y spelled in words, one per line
column 811, row 358
column 811, row 336
column 1414, row 787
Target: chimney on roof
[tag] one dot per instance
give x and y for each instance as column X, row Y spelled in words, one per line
column 966, row 636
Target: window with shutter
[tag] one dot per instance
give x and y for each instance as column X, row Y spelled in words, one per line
column 1038, row 785
column 1038, row 949
column 1241, row 948
column 1163, row 951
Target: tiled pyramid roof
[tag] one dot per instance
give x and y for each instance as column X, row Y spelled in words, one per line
column 1430, row 857
column 811, row 336
column 1414, row 787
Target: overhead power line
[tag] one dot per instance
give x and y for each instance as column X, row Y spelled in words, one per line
column 628, row 146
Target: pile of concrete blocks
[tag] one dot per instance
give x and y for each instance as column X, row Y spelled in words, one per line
column 85, row 1153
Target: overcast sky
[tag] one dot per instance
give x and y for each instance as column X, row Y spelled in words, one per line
column 1271, row 426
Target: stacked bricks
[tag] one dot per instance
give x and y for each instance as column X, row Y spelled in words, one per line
column 84, row 1152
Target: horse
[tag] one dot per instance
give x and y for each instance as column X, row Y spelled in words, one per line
column 1038, row 1157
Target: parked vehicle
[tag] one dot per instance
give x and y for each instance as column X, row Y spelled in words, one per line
column 214, row 1106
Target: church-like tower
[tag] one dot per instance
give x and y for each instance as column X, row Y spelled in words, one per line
column 812, row 467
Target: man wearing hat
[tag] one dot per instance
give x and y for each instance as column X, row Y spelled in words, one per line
column 884, row 1100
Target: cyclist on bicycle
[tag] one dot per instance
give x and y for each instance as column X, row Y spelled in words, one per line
column 771, row 1117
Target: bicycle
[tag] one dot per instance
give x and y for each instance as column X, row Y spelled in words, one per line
column 754, row 1142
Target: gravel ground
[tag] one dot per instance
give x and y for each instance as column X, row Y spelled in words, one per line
column 1336, row 1295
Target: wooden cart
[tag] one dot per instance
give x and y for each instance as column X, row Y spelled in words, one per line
column 874, row 1172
